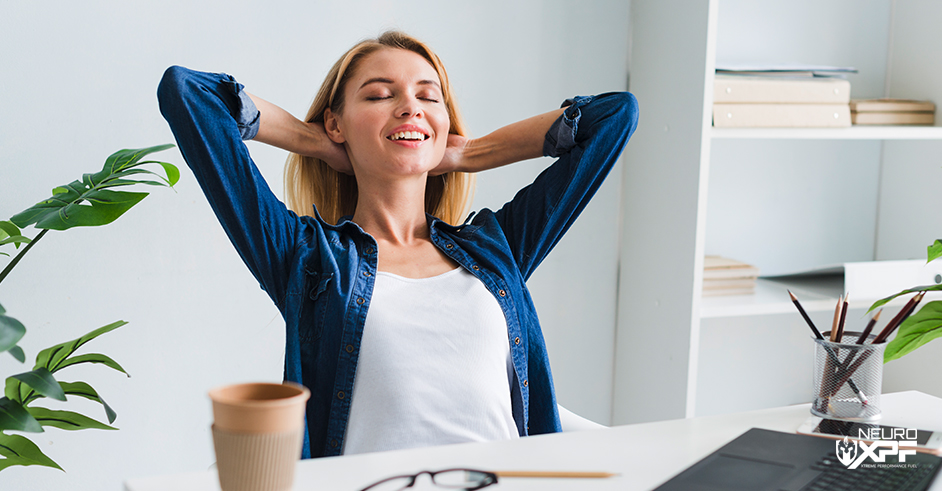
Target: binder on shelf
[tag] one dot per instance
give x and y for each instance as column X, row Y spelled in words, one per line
column 780, row 90
column 781, row 115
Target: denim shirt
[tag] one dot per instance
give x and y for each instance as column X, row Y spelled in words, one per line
column 321, row 275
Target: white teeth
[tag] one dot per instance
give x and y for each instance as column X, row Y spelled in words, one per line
column 407, row 135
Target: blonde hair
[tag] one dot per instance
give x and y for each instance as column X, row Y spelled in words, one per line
column 311, row 182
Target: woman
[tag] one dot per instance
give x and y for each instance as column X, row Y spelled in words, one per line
column 410, row 327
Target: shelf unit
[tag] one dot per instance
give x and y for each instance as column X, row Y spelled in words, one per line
column 680, row 355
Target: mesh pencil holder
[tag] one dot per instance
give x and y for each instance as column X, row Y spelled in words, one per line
column 847, row 379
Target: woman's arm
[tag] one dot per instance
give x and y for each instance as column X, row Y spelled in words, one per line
column 209, row 118
column 280, row 129
column 515, row 142
column 587, row 139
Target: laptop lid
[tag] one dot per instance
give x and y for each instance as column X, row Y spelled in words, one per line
column 769, row 460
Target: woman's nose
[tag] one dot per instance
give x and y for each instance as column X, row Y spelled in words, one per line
column 409, row 108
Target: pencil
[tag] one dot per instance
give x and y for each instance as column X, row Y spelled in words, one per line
column 866, row 331
column 555, row 474
column 837, row 318
column 905, row 312
column 840, row 323
column 832, row 356
column 804, row 314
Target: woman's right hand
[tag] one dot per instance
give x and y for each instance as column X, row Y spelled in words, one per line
column 334, row 154
column 280, row 129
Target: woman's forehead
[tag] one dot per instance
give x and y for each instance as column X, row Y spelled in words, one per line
column 394, row 65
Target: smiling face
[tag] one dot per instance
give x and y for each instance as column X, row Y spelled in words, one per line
column 394, row 121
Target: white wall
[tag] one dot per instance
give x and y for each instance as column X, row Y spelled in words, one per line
column 78, row 81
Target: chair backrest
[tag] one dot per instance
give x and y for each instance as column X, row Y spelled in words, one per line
column 571, row 421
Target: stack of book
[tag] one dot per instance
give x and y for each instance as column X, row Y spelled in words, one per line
column 780, row 99
column 892, row 111
column 723, row 276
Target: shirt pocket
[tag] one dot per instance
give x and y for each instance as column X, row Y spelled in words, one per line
column 314, row 306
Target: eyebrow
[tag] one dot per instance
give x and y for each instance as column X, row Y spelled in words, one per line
column 382, row 80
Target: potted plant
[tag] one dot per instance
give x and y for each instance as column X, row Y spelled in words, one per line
column 91, row 201
column 920, row 327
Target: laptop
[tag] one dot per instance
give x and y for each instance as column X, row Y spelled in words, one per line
column 775, row 461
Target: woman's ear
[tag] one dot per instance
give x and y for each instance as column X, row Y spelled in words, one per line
column 332, row 127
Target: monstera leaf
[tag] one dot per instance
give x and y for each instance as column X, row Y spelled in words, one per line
column 24, row 388
column 93, row 200
column 10, row 234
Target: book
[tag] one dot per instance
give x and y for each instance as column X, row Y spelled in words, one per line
column 778, row 90
column 718, row 267
column 890, row 118
column 891, row 105
column 787, row 69
column 781, row 115
column 730, row 283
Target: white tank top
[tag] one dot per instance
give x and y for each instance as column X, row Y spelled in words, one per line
column 434, row 366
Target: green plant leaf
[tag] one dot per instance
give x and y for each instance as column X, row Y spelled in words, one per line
column 66, row 420
column 15, row 239
column 19, row 450
column 11, row 390
column 920, row 328
column 11, row 331
column 13, row 416
column 82, row 389
column 8, row 229
column 42, row 381
column 17, row 353
column 51, row 358
column 90, row 201
column 935, row 251
column 93, row 358
column 10, row 234
column 883, row 301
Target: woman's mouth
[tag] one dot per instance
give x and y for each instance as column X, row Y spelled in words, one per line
column 408, row 136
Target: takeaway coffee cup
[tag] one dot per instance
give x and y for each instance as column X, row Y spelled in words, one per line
column 257, row 434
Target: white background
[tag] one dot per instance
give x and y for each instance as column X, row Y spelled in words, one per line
column 78, row 81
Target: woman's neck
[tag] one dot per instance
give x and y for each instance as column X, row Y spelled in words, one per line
column 393, row 211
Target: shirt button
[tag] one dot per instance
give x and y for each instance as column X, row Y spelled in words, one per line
column 369, row 250
column 340, row 395
column 349, row 348
column 516, row 340
column 449, row 246
column 524, row 384
column 360, row 301
column 366, row 273
column 334, row 443
column 476, row 267
column 502, row 293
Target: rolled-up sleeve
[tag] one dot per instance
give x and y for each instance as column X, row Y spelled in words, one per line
column 587, row 138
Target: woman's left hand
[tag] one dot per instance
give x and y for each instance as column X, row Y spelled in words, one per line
column 455, row 156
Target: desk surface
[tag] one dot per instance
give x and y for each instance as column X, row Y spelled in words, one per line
column 645, row 455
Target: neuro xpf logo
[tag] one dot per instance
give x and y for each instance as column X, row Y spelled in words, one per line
column 852, row 453
column 846, row 451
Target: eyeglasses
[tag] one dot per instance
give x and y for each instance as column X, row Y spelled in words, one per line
column 465, row 479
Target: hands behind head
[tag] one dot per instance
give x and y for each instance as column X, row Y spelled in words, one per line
column 334, row 154
column 454, row 157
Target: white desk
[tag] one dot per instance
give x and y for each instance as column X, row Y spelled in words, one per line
column 645, row 455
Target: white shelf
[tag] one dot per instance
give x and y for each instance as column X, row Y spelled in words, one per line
column 852, row 133
column 771, row 297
